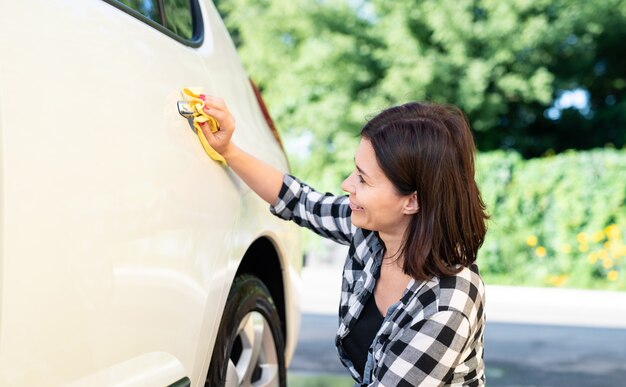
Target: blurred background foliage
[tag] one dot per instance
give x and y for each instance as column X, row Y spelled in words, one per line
column 538, row 80
column 555, row 221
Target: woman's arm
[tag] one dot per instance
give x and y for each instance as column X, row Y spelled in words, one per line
column 261, row 177
column 326, row 214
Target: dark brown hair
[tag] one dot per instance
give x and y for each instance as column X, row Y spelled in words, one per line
column 429, row 149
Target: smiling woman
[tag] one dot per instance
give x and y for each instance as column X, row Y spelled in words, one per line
column 375, row 203
column 411, row 309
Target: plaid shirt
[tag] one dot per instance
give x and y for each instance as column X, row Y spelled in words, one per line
column 433, row 336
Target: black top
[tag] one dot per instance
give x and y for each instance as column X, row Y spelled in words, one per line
column 358, row 341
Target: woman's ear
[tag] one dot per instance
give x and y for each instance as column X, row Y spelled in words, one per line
column 411, row 205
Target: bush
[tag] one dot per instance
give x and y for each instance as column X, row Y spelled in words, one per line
column 555, row 221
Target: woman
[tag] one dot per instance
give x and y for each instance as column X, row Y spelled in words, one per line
column 412, row 300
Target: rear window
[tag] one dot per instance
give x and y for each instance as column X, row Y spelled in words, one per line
column 180, row 19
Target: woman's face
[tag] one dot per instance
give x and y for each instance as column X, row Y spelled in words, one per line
column 374, row 201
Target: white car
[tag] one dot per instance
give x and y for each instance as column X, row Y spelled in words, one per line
column 123, row 246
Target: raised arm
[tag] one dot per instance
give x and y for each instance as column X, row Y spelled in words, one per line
column 261, row 177
column 326, row 214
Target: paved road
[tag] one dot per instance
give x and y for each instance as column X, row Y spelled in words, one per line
column 550, row 355
column 516, row 355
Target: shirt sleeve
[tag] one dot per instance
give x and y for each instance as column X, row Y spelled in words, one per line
column 325, row 214
column 427, row 352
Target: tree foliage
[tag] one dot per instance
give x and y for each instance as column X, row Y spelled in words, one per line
column 555, row 221
column 325, row 66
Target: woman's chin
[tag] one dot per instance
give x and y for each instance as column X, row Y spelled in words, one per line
column 356, row 221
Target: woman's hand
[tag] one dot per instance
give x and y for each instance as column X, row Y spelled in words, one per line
column 220, row 140
column 264, row 179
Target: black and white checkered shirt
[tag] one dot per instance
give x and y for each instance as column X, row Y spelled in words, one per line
column 432, row 337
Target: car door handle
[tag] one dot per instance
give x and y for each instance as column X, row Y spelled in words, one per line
column 184, row 109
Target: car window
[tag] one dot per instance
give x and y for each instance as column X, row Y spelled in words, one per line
column 148, row 8
column 177, row 16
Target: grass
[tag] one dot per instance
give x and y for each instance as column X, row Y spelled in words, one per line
column 318, row 380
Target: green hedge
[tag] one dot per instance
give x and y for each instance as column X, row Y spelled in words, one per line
column 555, row 221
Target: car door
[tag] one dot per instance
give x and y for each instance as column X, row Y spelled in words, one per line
column 120, row 225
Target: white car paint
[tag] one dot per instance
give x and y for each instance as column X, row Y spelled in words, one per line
column 119, row 236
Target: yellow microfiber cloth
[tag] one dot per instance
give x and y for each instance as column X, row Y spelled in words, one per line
column 192, row 96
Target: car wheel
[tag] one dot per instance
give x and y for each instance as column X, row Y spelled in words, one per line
column 249, row 349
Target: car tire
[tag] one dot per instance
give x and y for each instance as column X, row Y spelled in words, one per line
column 249, row 349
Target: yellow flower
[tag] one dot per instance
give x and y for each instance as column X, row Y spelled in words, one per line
column 612, row 275
column 540, row 251
column 622, row 251
column 581, row 237
column 583, row 248
column 592, row 258
column 566, row 248
column 557, row 280
column 613, row 231
column 531, row 241
column 602, row 254
column 607, row 263
column 616, row 250
column 598, row 236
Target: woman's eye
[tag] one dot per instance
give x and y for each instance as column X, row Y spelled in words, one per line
column 361, row 179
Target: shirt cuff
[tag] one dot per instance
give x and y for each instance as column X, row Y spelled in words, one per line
column 287, row 197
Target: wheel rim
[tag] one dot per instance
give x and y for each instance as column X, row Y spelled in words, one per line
column 253, row 360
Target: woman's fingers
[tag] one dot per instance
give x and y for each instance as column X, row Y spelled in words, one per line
column 206, row 129
column 215, row 113
column 216, row 107
column 225, row 120
column 214, row 102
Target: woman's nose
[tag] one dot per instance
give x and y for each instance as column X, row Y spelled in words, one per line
column 347, row 186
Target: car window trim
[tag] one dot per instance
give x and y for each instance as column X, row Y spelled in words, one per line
column 162, row 13
column 196, row 14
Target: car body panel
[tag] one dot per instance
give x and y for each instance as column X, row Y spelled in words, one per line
column 120, row 236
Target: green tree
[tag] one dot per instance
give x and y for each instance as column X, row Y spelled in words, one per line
column 315, row 64
column 325, row 66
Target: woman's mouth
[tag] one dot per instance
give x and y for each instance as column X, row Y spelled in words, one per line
column 354, row 207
